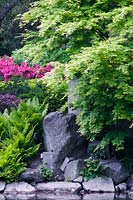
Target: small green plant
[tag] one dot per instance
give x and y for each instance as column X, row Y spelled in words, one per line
column 17, row 145
column 46, row 173
column 92, row 169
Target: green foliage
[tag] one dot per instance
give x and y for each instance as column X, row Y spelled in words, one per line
column 24, row 89
column 117, row 138
column 46, row 173
column 105, row 86
column 50, row 90
column 16, row 138
column 92, row 169
column 56, row 87
column 65, row 27
column 94, row 40
column 10, row 37
column 14, row 153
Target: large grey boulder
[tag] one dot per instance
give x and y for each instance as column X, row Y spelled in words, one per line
column 11, row 188
column 130, row 194
column 61, row 137
column 2, row 186
column 116, row 170
column 122, row 187
column 2, row 197
column 130, row 182
column 31, row 175
column 100, row 184
column 73, row 169
column 50, row 160
column 59, row 188
column 19, row 187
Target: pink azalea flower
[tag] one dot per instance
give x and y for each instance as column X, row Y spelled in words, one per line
column 8, row 69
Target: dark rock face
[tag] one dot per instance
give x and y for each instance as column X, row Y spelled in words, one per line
column 100, row 153
column 61, row 137
column 121, row 188
column 130, row 183
column 115, row 170
column 2, row 186
column 73, row 169
column 51, row 161
column 31, row 175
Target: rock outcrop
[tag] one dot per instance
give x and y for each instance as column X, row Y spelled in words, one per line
column 2, row 186
column 116, row 170
column 62, row 139
column 19, row 187
column 73, row 169
column 100, row 184
column 59, row 188
column 31, row 175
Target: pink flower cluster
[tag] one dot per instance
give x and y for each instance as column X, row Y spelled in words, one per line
column 9, row 70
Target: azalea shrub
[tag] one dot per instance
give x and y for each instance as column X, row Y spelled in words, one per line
column 10, row 70
column 27, row 81
column 8, row 101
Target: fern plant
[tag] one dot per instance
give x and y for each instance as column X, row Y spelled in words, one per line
column 92, row 169
column 16, row 141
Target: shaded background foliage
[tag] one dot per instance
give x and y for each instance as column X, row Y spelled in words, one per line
column 10, row 31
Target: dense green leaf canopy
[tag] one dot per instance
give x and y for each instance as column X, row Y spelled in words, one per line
column 10, row 32
column 94, row 41
column 64, row 27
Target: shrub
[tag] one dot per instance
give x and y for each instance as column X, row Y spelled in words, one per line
column 56, row 87
column 8, row 101
column 94, row 40
column 24, row 89
column 105, row 90
column 50, row 90
column 16, row 137
column 92, row 169
column 9, row 70
column 53, row 95
column 46, row 173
